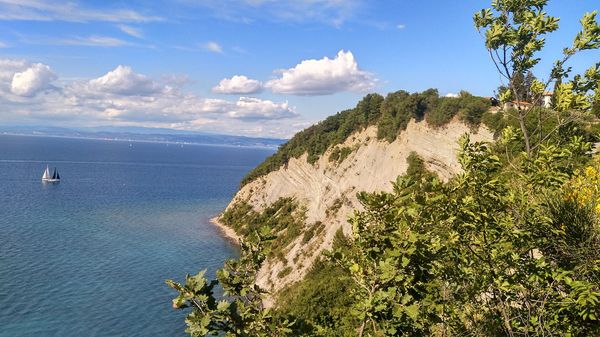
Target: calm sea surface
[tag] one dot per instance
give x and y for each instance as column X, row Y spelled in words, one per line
column 89, row 256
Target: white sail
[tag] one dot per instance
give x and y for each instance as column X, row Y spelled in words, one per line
column 46, row 175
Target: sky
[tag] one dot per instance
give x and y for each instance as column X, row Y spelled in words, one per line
column 244, row 67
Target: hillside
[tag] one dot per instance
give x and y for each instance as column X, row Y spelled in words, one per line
column 309, row 197
column 504, row 244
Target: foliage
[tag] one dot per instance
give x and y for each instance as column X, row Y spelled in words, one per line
column 316, row 229
column 445, row 109
column 596, row 106
column 509, row 247
column 416, row 165
column 320, row 302
column 400, row 107
column 472, row 108
column 575, row 240
column 339, row 153
column 542, row 128
column 458, row 258
column 584, row 188
column 494, row 120
column 522, row 85
column 241, row 311
column 284, row 218
column 514, row 33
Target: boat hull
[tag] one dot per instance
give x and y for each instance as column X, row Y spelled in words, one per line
column 51, row 180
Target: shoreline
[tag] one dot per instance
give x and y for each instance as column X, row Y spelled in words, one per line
column 227, row 233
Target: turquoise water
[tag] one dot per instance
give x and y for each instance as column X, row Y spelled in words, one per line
column 89, row 256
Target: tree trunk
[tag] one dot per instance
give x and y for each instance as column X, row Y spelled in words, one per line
column 525, row 132
column 362, row 328
column 522, row 114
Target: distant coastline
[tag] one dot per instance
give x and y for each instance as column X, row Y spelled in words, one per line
column 134, row 140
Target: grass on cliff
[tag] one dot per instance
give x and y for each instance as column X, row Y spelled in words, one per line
column 284, row 217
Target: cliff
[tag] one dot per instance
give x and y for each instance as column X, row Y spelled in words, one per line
column 326, row 190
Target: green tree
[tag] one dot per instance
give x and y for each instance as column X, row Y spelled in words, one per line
column 514, row 33
column 522, row 85
column 241, row 312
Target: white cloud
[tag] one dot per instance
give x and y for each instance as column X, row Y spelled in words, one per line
column 213, row 47
column 254, row 108
column 45, row 10
column 238, row 84
column 245, row 108
column 8, row 68
column 401, row 26
column 131, row 31
column 330, row 12
column 451, row 94
column 33, row 80
column 323, row 77
column 124, row 81
column 94, row 41
column 124, row 97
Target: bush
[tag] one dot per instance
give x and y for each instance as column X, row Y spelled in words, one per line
column 284, row 218
column 494, row 121
column 575, row 226
column 416, row 165
column 472, row 108
column 320, row 302
column 444, row 111
column 338, row 154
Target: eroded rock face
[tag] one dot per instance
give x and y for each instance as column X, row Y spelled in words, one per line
column 328, row 189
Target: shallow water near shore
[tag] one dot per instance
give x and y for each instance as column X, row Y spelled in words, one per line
column 89, row 256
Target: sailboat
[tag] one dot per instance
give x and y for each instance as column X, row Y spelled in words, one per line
column 54, row 178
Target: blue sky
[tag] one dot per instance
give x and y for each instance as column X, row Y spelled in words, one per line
column 250, row 67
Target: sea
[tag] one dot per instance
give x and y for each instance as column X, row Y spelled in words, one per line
column 89, row 256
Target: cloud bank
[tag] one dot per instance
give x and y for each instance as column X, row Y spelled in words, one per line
column 29, row 93
column 33, row 92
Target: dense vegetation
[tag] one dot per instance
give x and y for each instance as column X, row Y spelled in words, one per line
column 471, row 257
column 509, row 247
column 284, row 218
column 391, row 115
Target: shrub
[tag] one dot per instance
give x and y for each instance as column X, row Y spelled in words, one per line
column 339, row 154
column 444, row 111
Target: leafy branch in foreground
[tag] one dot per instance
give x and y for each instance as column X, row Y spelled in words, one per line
column 514, row 33
column 241, row 312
